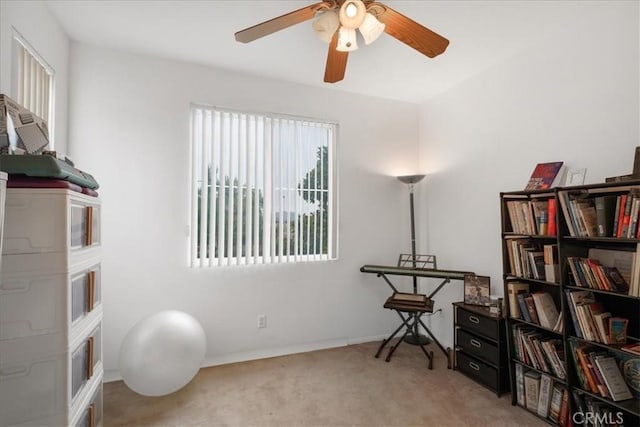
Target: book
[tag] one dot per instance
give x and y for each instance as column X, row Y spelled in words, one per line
column 556, row 402
column 552, row 228
column 626, row 216
column 564, row 419
column 545, row 175
column 629, row 364
column 551, row 267
column 616, row 280
column 633, row 221
column 546, row 309
column 605, row 211
column 602, row 325
column 536, row 264
column 576, row 300
column 524, row 311
column 587, row 216
column 618, row 330
column 622, row 260
column 531, row 309
column 513, row 289
column 418, row 299
column 622, row 204
column 613, row 379
column 587, row 369
column 520, row 394
column 617, row 218
column 532, row 388
column 544, row 397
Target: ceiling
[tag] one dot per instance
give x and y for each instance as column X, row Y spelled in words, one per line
column 481, row 34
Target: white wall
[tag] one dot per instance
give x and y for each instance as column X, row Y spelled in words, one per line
column 35, row 23
column 130, row 130
column 571, row 96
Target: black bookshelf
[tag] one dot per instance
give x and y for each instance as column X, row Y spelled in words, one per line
column 568, row 241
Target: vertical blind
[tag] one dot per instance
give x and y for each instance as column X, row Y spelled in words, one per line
column 34, row 84
column 263, row 188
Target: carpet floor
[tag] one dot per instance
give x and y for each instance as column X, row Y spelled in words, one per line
column 344, row 386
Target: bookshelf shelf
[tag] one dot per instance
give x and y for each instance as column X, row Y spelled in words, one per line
column 581, row 244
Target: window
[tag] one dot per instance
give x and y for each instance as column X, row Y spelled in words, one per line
column 34, row 82
column 263, row 188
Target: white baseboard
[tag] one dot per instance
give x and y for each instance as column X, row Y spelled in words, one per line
column 114, row 375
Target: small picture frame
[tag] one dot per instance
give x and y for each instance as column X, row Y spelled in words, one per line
column 477, row 290
column 576, row 176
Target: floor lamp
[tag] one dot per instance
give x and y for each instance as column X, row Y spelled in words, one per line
column 411, row 181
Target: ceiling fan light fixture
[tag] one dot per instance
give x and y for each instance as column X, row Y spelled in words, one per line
column 346, row 40
column 326, row 25
column 371, row 28
column 352, row 14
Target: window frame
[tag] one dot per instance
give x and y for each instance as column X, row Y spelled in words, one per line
column 271, row 223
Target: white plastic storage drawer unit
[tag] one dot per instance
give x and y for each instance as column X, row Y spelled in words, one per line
column 50, row 309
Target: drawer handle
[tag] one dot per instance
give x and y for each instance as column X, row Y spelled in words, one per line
column 92, row 415
column 474, row 366
column 89, row 226
column 92, row 290
column 90, row 343
column 475, row 343
column 474, row 319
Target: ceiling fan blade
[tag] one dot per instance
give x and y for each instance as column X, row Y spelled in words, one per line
column 336, row 62
column 280, row 23
column 410, row 32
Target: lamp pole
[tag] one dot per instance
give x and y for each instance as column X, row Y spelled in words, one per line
column 413, row 237
column 411, row 180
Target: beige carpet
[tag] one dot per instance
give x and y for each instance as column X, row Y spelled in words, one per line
column 344, row 386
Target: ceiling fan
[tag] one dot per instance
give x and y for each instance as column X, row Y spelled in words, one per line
column 336, row 23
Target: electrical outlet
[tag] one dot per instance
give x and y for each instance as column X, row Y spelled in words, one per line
column 262, row 321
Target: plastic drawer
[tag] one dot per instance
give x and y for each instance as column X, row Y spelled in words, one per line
column 37, row 303
column 38, row 387
column 90, row 411
column 42, row 221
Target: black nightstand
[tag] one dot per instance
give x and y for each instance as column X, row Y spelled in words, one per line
column 480, row 346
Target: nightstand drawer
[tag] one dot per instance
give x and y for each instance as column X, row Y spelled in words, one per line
column 487, row 327
column 485, row 350
column 477, row 370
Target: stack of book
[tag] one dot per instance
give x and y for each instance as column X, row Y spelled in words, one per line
column 598, row 372
column 541, row 395
column 533, row 217
column 601, row 216
column 608, row 269
column 536, row 307
column 590, row 273
column 539, row 351
column 407, row 301
column 593, row 322
column 526, row 259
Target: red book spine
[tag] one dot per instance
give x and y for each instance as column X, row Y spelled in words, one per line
column 623, row 202
column 551, row 209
